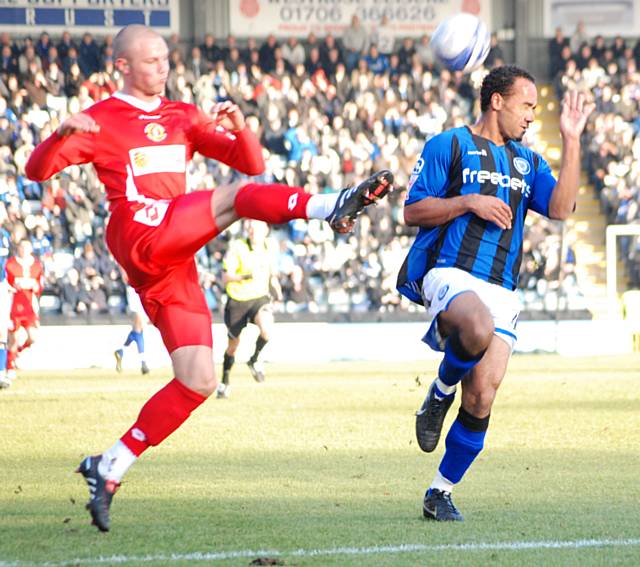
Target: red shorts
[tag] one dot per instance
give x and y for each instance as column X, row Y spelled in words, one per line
column 23, row 315
column 155, row 243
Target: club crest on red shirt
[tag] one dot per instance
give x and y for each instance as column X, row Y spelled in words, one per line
column 155, row 132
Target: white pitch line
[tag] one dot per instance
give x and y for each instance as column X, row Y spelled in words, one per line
column 375, row 550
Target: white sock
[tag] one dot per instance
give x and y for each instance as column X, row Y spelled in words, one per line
column 445, row 388
column 321, row 206
column 116, row 462
column 441, row 483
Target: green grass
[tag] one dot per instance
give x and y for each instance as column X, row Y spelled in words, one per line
column 324, row 457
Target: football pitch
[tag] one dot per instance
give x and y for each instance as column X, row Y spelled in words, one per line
column 318, row 466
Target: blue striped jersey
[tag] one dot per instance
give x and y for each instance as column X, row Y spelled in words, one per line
column 457, row 162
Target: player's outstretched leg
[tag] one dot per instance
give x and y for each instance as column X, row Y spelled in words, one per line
column 101, row 492
column 438, row 506
column 277, row 204
column 353, row 200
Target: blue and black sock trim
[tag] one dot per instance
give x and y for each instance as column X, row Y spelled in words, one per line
column 471, row 422
column 457, row 361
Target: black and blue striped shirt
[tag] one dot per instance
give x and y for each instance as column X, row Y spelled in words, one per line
column 457, row 162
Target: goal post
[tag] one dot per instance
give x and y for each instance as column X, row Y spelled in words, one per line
column 612, row 233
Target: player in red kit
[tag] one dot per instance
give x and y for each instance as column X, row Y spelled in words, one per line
column 25, row 276
column 140, row 144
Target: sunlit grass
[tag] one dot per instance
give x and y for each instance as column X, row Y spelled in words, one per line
column 324, row 457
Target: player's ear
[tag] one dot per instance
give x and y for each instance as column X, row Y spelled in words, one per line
column 122, row 65
column 497, row 101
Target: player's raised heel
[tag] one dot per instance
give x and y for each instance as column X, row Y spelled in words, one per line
column 353, row 200
column 257, row 370
column 101, row 492
column 429, row 419
column 437, row 505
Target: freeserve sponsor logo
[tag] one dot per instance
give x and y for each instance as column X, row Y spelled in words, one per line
column 496, row 178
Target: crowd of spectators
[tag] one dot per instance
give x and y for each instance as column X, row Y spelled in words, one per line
column 609, row 70
column 328, row 112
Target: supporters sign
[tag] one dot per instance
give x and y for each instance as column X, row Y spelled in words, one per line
column 96, row 16
column 301, row 17
column 605, row 17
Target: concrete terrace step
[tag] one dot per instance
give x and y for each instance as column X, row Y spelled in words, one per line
column 585, row 212
column 587, row 225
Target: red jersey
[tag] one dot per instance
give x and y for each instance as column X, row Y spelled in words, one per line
column 142, row 150
column 141, row 154
column 26, row 277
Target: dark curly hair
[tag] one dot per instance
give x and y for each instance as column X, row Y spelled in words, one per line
column 500, row 80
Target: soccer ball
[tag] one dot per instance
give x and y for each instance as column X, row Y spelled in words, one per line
column 461, row 42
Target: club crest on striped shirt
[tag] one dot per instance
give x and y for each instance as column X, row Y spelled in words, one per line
column 522, row 165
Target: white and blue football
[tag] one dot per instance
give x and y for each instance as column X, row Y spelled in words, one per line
column 461, row 42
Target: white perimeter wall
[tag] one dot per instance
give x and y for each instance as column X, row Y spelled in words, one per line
column 93, row 345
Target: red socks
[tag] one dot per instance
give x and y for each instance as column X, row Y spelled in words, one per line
column 165, row 411
column 272, row 203
column 25, row 345
column 11, row 359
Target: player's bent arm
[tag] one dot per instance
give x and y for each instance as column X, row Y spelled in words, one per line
column 58, row 152
column 563, row 198
column 242, row 152
column 434, row 211
column 239, row 149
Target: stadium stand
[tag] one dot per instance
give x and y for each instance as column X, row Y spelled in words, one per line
column 321, row 126
column 608, row 70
